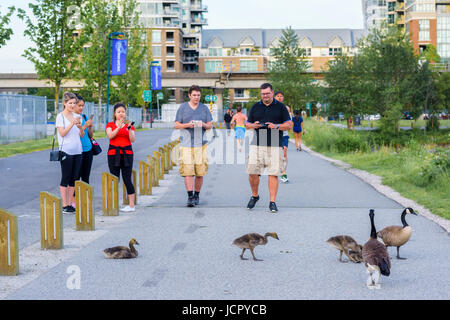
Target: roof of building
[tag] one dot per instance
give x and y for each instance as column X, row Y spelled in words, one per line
column 263, row 38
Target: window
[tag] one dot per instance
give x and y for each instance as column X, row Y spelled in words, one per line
column 249, row 66
column 245, row 52
column 156, row 36
column 307, row 52
column 169, row 36
column 215, row 52
column 156, row 51
column 239, row 93
column 213, row 66
column 424, row 30
column 170, row 51
column 443, row 36
column 170, row 65
column 335, row 51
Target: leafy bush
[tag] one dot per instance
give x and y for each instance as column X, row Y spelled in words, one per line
column 436, row 166
column 433, row 123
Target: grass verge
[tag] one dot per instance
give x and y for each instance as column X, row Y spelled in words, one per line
column 419, row 170
column 12, row 149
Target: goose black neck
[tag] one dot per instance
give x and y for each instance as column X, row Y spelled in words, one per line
column 373, row 231
column 404, row 219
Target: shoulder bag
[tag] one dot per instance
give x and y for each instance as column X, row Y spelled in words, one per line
column 96, row 149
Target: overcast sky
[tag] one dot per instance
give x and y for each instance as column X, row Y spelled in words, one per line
column 300, row 14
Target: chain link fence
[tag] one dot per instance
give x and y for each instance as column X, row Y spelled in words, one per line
column 22, row 118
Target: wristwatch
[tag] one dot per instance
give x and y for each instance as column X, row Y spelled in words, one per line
column 278, row 126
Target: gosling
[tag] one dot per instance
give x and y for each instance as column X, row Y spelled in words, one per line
column 346, row 244
column 251, row 240
column 121, row 252
column 397, row 236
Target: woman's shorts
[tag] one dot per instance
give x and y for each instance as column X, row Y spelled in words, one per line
column 194, row 161
column 286, row 141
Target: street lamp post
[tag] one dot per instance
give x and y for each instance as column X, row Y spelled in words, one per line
column 119, row 35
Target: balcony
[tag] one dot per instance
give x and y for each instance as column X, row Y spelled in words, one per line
column 400, row 7
column 171, row 13
column 199, row 21
column 188, row 60
column 193, row 46
column 199, row 7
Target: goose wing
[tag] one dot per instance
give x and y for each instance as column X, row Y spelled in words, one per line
column 118, row 252
column 389, row 234
column 376, row 254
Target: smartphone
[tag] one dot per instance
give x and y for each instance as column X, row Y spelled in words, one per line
column 132, row 124
column 91, row 117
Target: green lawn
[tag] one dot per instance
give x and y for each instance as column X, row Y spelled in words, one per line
column 403, row 123
column 8, row 150
column 419, row 171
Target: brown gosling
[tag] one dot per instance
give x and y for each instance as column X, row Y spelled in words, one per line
column 376, row 257
column 345, row 243
column 356, row 255
column 396, row 236
column 121, row 252
column 251, row 240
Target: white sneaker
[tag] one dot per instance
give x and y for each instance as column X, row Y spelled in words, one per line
column 128, row 209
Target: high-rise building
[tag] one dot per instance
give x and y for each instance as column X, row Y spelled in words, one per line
column 176, row 27
column 374, row 13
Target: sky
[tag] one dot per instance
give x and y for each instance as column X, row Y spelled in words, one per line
column 267, row 14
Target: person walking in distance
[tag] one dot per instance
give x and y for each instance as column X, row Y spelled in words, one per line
column 120, row 153
column 298, row 129
column 269, row 118
column 227, row 119
column 238, row 122
column 193, row 119
column 279, row 95
column 69, row 132
column 87, row 155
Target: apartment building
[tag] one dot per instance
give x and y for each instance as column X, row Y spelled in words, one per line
column 425, row 21
column 175, row 29
column 251, row 50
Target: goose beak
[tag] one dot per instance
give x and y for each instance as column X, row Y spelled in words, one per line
column 137, row 243
column 412, row 212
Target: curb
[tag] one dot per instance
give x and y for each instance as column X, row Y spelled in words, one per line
column 376, row 182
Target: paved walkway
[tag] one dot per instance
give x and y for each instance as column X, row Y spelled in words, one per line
column 186, row 253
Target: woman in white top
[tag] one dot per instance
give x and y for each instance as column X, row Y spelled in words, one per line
column 69, row 133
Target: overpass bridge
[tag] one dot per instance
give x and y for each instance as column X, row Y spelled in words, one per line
column 18, row 82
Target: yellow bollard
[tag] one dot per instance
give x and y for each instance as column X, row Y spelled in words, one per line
column 124, row 190
column 84, row 198
column 110, row 196
column 167, row 159
column 145, row 178
column 51, row 222
column 157, row 155
column 163, row 161
column 9, row 244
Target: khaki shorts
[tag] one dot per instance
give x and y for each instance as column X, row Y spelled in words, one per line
column 194, row 161
column 261, row 158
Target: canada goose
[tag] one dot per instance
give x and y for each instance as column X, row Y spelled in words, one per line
column 356, row 255
column 375, row 256
column 396, row 236
column 345, row 243
column 121, row 252
column 251, row 240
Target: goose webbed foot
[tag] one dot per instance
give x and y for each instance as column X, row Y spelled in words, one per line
column 400, row 258
column 257, row 259
column 242, row 258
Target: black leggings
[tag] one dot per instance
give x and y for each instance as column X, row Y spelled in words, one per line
column 126, row 173
column 70, row 170
column 86, row 165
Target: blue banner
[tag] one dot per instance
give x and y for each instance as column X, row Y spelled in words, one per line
column 119, row 57
column 156, row 78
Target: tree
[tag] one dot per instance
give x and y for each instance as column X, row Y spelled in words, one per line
column 388, row 69
column 443, row 90
column 343, row 90
column 288, row 72
column 99, row 19
column 131, row 85
column 5, row 32
column 56, row 47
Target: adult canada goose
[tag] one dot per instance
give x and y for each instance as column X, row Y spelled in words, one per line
column 396, row 236
column 251, row 240
column 345, row 243
column 375, row 256
column 121, row 252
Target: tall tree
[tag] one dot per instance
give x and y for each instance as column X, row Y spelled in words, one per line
column 5, row 32
column 289, row 71
column 56, row 48
column 99, row 19
column 131, row 84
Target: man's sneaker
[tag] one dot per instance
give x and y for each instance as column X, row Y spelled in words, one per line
column 196, row 199
column 273, row 207
column 252, row 202
column 128, row 209
column 191, row 202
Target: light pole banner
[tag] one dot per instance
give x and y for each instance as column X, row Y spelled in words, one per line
column 119, row 57
column 156, row 78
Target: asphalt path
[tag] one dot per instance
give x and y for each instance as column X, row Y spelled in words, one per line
column 25, row 176
column 186, row 253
